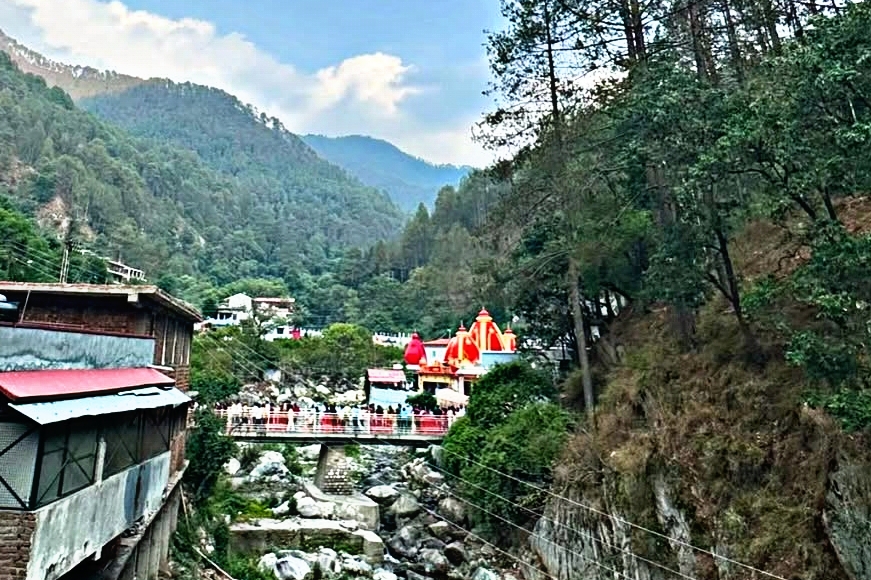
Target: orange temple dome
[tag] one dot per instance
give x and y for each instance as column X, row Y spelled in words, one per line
column 510, row 340
column 486, row 333
column 415, row 353
column 462, row 349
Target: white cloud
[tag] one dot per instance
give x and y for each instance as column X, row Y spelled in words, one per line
column 362, row 94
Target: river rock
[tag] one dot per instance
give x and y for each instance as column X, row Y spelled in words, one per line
column 281, row 510
column 290, row 568
column 382, row 574
column 434, row 562
column 355, row 566
column 383, row 494
column 484, row 574
column 232, row 467
column 453, row 509
column 328, row 561
column 433, row 544
column 455, row 552
column 405, row 506
column 269, row 464
column 441, row 530
column 308, row 508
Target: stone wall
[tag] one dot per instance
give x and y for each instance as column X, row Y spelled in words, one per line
column 16, row 537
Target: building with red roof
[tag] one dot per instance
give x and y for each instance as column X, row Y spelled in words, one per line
column 92, row 427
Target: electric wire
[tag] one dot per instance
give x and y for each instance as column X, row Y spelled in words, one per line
column 618, row 519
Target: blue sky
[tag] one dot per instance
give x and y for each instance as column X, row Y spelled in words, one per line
column 410, row 71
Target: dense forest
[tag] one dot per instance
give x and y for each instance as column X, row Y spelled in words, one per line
column 407, row 179
column 258, row 203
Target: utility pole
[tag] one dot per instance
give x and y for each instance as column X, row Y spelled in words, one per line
column 65, row 261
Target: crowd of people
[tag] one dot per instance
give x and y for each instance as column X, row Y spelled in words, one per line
column 331, row 418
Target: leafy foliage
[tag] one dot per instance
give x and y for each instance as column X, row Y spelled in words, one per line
column 512, row 430
column 208, row 449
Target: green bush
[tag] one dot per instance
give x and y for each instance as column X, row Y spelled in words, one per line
column 512, row 431
column 208, row 449
column 424, row 400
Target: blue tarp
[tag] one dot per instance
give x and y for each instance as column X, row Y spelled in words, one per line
column 388, row 397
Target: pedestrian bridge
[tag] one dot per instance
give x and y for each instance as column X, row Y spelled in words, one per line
column 332, row 429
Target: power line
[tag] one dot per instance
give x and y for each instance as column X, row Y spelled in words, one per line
column 610, row 516
column 621, row 520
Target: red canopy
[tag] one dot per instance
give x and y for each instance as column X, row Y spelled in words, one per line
column 65, row 384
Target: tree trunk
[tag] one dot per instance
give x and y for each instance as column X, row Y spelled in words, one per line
column 734, row 48
column 552, row 79
column 577, row 311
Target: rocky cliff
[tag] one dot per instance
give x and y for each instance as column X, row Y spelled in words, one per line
column 699, row 461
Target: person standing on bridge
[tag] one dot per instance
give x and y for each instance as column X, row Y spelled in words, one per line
column 355, row 418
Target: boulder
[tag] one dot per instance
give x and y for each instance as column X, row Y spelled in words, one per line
column 329, row 562
column 308, row 508
column 281, row 510
column 434, row 478
column 433, row 544
column 484, row 574
column 434, row 562
column 383, row 494
column 270, row 463
column 405, row 506
column 232, row 467
column 455, row 552
column 441, row 530
column 453, row 509
column 356, row 567
column 290, row 568
column 382, row 574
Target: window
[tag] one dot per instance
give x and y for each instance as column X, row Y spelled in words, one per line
column 68, row 460
column 18, row 448
column 155, row 433
column 122, row 436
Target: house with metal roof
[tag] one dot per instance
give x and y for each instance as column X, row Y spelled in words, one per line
column 91, row 439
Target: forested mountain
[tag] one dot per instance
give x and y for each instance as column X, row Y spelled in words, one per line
column 297, row 198
column 166, row 209
column 407, row 179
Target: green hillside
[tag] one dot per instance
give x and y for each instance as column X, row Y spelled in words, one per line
column 407, row 179
column 272, row 206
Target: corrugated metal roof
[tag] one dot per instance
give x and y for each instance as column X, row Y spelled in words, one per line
column 57, row 411
column 385, row 376
column 57, row 384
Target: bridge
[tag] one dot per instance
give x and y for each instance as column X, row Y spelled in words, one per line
column 334, row 430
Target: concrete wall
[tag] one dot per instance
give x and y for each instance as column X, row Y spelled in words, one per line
column 40, row 349
column 73, row 528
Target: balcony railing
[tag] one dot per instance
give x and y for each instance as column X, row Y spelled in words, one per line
column 335, row 423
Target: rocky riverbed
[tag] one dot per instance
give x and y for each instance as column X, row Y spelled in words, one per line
column 401, row 523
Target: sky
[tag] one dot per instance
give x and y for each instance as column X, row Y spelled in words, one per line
column 408, row 71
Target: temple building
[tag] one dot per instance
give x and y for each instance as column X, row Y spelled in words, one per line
column 456, row 363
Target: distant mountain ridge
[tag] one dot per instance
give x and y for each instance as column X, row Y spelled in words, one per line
column 77, row 81
column 226, row 184
column 407, row 179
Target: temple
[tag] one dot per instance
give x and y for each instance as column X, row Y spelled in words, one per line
column 454, row 364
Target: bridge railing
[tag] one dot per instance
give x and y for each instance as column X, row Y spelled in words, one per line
column 279, row 423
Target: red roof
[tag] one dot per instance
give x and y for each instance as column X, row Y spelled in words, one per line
column 66, row 384
column 385, row 376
